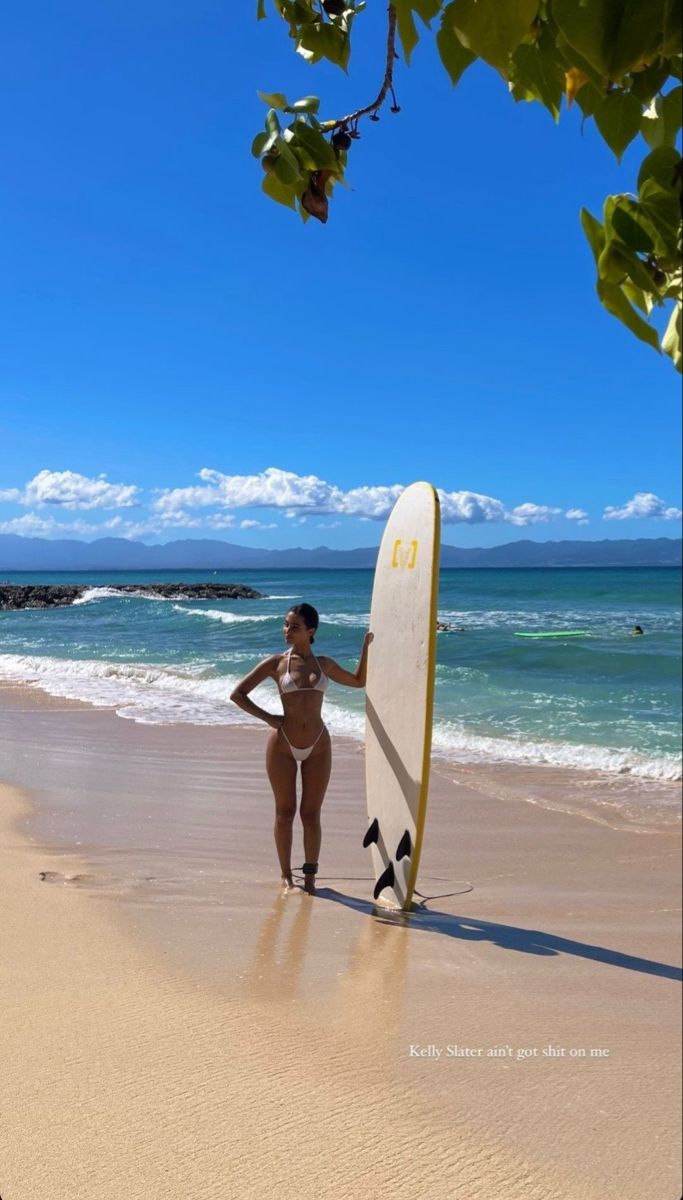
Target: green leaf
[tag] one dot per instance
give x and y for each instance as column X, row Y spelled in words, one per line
column 588, row 99
column 612, row 266
column 662, row 121
column 405, row 21
column 631, row 226
column 272, row 123
column 307, row 104
column 618, row 119
column 325, row 41
column 261, row 144
column 273, row 99
column 637, row 272
column 660, row 165
column 672, row 28
column 315, row 144
column 541, row 76
column 646, row 84
column 615, row 36
column 492, row 29
column 407, row 30
column 286, row 173
column 594, row 231
column 279, row 191
column 306, row 160
column 287, row 167
column 672, row 341
column 616, row 303
column 641, row 299
column 661, row 209
column 426, row 9
column 454, row 56
column 261, row 10
column 571, row 58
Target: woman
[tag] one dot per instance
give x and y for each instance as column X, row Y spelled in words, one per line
column 300, row 735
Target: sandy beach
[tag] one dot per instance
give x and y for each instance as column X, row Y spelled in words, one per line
column 172, row 1026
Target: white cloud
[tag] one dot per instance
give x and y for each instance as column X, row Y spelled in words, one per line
column 68, row 489
column 469, row 508
column 273, row 488
column 373, row 502
column 473, row 508
column 578, row 515
column 31, row 525
column 532, row 514
column 297, row 494
column 218, row 521
column 34, row 525
column 643, row 505
column 178, row 520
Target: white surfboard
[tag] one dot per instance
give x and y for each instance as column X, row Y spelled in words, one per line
column 400, row 691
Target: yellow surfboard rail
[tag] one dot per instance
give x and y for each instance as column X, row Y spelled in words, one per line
column 429, row 715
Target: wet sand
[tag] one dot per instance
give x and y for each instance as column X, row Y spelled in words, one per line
column 172, row 1026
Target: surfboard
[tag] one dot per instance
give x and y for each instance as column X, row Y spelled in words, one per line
column 557, row 633
column 399, row 697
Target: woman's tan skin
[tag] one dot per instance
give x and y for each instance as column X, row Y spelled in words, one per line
column 302, row 722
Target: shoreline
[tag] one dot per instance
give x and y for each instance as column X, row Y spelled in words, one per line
column 621, row 798
column 162, row 990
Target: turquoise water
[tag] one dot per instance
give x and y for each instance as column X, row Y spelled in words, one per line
column 608, row 702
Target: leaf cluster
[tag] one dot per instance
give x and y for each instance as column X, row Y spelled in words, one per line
column 637, row 250
column 319, row 28
column 618, row 60
column 300, row 165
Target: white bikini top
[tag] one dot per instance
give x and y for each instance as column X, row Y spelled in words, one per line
column 287, row 684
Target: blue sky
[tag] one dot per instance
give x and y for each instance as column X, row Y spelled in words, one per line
column 159, row 317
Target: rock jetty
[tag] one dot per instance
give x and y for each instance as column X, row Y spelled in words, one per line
column 49, row 595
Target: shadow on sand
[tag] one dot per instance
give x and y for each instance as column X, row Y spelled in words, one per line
column 508, row 937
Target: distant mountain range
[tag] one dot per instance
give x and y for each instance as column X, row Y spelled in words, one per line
column 119, row 554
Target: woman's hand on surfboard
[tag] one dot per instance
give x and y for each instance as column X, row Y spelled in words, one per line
column 369, row 637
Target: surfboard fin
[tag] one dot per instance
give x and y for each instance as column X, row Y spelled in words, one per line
column 404, row 848
column 386, row 879
column 372, row 836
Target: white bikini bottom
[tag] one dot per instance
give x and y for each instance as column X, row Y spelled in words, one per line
column 301, row 753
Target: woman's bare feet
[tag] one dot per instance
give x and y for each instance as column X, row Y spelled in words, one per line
column 287, row 882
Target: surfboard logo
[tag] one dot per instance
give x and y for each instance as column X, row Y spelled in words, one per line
column 404, row 555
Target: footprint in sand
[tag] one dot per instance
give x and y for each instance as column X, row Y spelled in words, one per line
column 58, row 877
column 92, row 881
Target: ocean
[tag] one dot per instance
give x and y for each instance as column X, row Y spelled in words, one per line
column 608, row 702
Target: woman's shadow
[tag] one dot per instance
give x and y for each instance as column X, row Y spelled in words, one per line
column 508, row 937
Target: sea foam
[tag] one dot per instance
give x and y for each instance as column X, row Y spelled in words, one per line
column 161, row 694
column 218, row 614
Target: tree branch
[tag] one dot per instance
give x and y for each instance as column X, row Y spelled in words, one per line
column 387, row 82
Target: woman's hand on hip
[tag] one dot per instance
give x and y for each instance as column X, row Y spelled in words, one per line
column 275, row 720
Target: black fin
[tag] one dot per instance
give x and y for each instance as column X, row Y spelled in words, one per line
column 385, row 880
column 372, row 835
column 404, row 848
